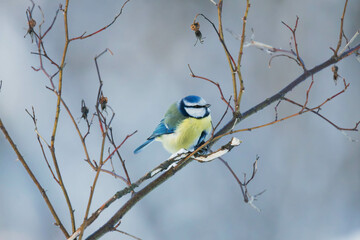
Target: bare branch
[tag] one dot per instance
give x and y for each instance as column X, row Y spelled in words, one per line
column 307, row 94
column 112, row 141
column 32, row 176
column 341, row 30
column 349, row 42
column 222, row 117
column 216, row 84
column 293, row 31
column 84, row 35
column 279, row 95
column 241, row 51
column 33, row 117
column 355, row 128
column 243, row 186
column 116, row 149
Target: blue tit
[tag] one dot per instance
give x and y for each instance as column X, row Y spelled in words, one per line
column 186, row 125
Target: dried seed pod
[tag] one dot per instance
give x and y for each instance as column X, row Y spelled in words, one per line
column 335, row 69
column 196, row 28
column 32, row 23
column 103, row 102
column 84, row 110
column 30, row 31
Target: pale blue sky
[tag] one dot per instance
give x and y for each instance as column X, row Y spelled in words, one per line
column 309, row 169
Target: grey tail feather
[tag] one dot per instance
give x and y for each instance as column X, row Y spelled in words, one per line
column 137, row 150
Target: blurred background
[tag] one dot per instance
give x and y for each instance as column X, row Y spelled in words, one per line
column 310, row 170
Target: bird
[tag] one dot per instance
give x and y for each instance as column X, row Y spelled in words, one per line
column 186, row 125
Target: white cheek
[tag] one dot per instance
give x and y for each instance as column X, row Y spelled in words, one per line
column 196, row 112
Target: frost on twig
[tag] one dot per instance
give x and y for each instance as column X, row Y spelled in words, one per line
column 182, row 153
column 347, row 46
column 278, row 52
column 252, row 198
column 213, row 2
column 350, row 41
column 220, row 152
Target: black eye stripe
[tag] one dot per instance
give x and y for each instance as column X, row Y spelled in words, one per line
column 195, row 106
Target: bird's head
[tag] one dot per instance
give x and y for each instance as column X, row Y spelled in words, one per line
column 194, row 106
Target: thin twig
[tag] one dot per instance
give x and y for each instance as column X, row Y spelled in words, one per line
column 38, row 136
column 279, row 95
column 307, row 94
column 32, row 176
column 117, row 148
column 82, row 139
column 242, row 41
column 84, row 35
column 283, row 55
column 355, row 128
column 232, row 64
column 231, row 61
column 92, row 188
column 112, row 173
column 57, row 115
column 216, row 84
column 349, row 42
column 341, row 30
column 222, row 117
column 112, row 141
column 236, row 178
column 293, row 31
column 346, row 85
column 125, row 233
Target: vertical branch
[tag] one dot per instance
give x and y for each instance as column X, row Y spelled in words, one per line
column 83, row 226
column 341, row 29
column 307, row 94
column 116, row 148
column 244, row 19
column 104, row 134
column 232, row 67
column 56, row 121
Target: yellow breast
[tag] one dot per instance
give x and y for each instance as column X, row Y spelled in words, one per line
column 186, row 135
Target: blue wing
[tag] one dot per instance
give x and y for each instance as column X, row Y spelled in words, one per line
column 161, row 129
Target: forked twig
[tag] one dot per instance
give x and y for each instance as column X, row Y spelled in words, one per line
column 307, row 93
column 355, row 128
column 84, row 35
column 38, row 136
column 293, row 31
column 243, row 185
column 216, row 84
